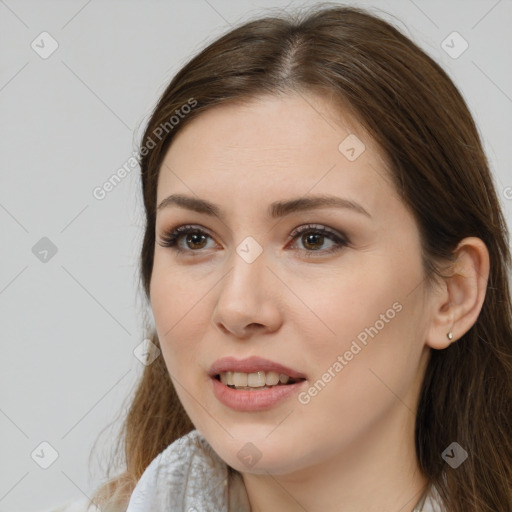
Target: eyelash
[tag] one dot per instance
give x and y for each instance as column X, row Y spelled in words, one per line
column 171, row 238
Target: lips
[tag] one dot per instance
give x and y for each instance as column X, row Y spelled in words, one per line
column 251, row 365
column 253, row 398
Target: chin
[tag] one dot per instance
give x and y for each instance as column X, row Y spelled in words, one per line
column 252, row 450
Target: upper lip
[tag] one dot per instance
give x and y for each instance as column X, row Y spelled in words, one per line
column 251, row 365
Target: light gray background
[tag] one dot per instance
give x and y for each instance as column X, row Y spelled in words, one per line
column 70, row 324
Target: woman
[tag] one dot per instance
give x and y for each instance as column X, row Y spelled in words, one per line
column 326, row 261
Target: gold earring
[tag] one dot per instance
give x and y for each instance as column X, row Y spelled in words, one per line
column 450, row 336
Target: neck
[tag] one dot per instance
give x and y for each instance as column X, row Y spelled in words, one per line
column 377, row 473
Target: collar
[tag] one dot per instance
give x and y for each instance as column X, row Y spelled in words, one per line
column 188, row 476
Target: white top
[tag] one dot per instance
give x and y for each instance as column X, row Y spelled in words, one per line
column 188, row 476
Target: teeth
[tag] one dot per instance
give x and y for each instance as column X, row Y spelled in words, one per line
column 239, row 379
column 272, row 378
column 255, row 379
column 227, row 378
column 283, row 378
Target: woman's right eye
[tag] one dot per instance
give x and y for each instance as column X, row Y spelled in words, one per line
column 195, row 237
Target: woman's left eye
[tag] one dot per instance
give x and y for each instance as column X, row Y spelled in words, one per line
column 311, row 236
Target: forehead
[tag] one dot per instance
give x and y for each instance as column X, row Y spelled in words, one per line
column 273, row 145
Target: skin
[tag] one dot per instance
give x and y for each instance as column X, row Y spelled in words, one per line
column 353, row 443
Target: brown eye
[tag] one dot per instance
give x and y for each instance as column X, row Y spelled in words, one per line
column 313, row 237
column 313, row 241
column 195, row 239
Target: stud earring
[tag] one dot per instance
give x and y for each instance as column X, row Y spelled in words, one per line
column 450, row 336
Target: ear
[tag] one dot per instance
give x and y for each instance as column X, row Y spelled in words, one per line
column 458, row 300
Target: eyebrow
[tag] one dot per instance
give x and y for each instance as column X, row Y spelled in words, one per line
column 275, row 210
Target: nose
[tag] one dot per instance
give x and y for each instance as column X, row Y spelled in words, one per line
column 248, row 299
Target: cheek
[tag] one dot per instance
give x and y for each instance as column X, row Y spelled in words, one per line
column 370, row 319
column 176, row 294
column 341, row 303
column 176, row 304
column 355, row 385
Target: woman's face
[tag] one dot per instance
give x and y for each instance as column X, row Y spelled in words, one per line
column 344, row 309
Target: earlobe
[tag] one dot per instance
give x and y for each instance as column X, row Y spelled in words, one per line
column 441, row 333
column 459, row 300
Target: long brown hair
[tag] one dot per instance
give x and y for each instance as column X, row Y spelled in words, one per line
column 418, row 117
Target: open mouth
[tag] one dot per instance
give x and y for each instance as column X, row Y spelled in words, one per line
column 255, row 381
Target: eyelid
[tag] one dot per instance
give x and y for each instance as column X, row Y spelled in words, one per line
column 320, row 228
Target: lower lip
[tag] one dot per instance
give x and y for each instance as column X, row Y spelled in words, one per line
column 247, row 401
